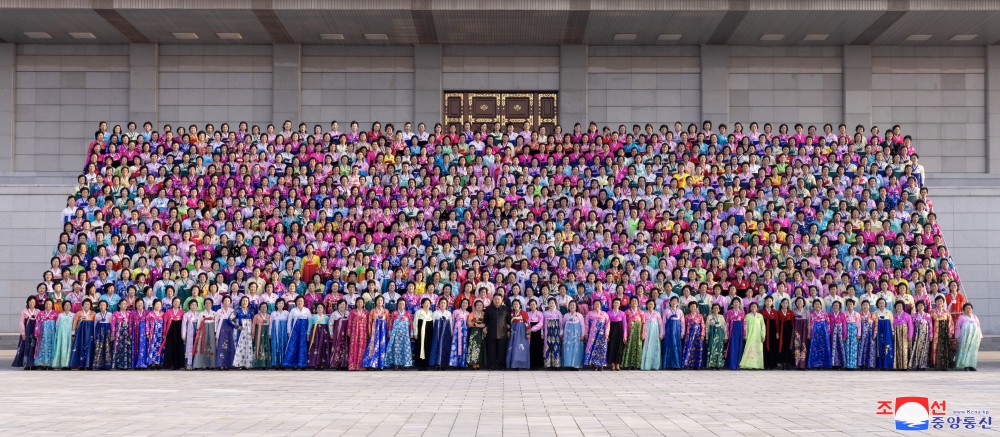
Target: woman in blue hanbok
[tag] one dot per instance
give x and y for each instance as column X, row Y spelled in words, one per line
column 886, row 343
column 154, row 329
column 574, row 337
column 279, row 334
column 518, row 352
column 459, row 335
column 140, row 336
column 819, row 337
column 225, row 334
column 82, row 352
column 652, row 337
column 45, row 331
column 673, row 330
column 867, row 337
column 442, row 338
column 104, row 343
column 399, row 351
column 297, row 352
column 378, row 332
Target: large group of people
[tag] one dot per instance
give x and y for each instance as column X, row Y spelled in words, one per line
column 499, row 247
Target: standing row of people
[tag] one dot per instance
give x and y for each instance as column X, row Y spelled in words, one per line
column 498, row 336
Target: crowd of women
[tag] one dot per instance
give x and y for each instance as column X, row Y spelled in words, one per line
column 643, row 249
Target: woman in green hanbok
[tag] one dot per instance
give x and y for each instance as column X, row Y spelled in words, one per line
column 652, row 337
column 717, row 337
column 64, row 337
column 753, row 352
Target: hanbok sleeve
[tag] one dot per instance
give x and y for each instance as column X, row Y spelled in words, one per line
column 584, row 329
column 959, row 324
column 24, row 317
column 662, row 324
column 909, row 324
column 683, row 321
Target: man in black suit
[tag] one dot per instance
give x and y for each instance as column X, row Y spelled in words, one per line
column 496, row 319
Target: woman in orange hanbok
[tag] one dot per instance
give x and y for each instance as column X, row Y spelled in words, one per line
column 309, row 264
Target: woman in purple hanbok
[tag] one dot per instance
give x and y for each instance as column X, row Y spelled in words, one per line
column 339, row 342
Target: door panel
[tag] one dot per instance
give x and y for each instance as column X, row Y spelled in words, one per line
column 538, row 108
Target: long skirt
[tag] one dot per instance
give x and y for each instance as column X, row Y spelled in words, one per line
column 279, row 342
column 942, row 350
column 616, row 342
column 694, row 347
column 819, row 346
column 786, row 352
column 572, row 346
column 537, row 348
column 339, row 345
column 104, row 347
column 225, row 351
column 838, row 348
column 735, row 350
column 155, row 346
column 518, row 355
column 319, row 346
column 262, row 347
column 474, row 354
column 357, row 345
column 800, row 344
column 672, row 345
column 851, row 347
column 458, row 355
column 82, row 354
column 901, row 335
column 772, row 344
column 651, row 347
column 190, row 345
column 399, row 352
column 753, row 349
column 633, row 349
column 64, row 343
column 45, row 349
column 868, row 346
column 968, row 347
column 422, row 344
column 140, row 346
column 553, row 344
column 124, row 358
column 921, row 346
column 243, row 357
column 204, row 344
column 716, row 354
column 25, row 356
column 886, row 345
column 173, row 349
column 441, row 343
column 297, row 351
column 597, row 347
column 376, row 350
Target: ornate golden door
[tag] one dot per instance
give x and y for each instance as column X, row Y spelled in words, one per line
column 476, row 107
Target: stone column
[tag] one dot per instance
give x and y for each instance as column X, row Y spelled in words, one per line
column 993, row 109
column 715, row 84
column 287, row 84
column 857, row 73
column 573, row 86
column 144, row 84
column 428, row 89
column 8, row 73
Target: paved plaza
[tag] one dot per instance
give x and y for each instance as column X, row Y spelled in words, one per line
column 460, row 403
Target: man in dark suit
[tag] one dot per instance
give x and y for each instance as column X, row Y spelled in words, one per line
column 496, row 319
